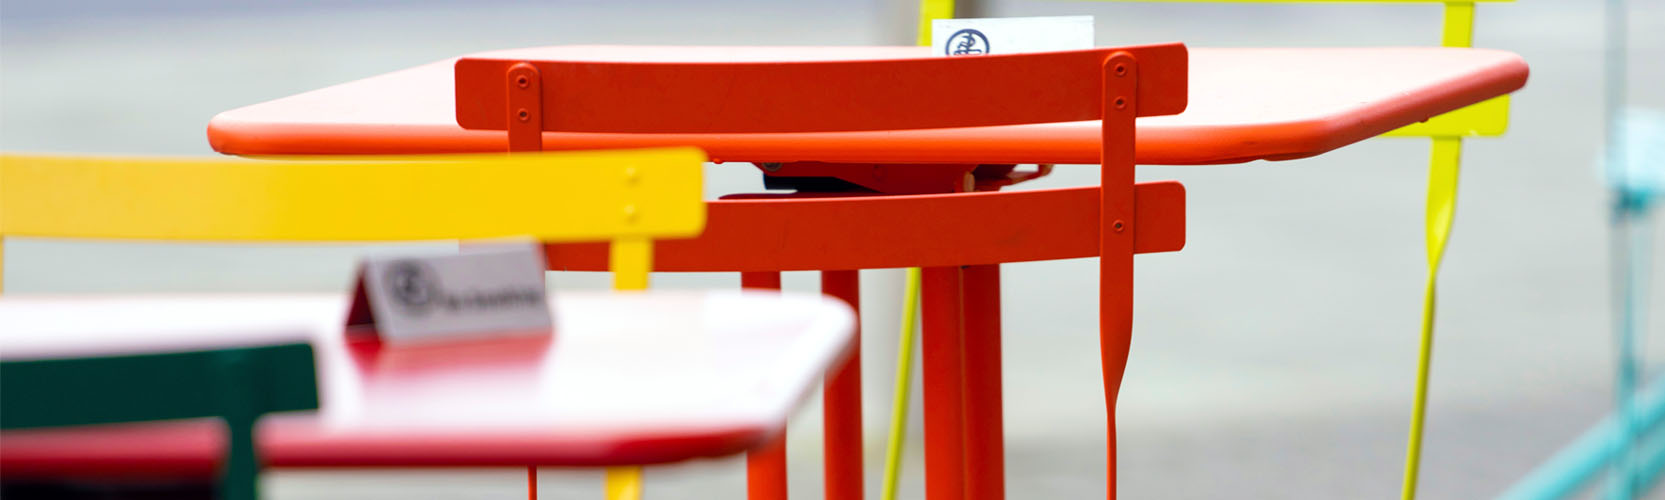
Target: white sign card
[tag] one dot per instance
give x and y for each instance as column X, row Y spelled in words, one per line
column 1010, row 35
column 484, row 290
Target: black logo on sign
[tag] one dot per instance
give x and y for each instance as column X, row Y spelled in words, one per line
column 966, row 42
column 412, row 284
column 416, row 289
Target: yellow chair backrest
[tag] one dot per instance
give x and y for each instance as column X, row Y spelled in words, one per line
column 628, row 197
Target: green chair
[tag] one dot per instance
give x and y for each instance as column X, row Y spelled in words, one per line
column 238, row 385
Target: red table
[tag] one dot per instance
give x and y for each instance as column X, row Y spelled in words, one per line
column 627, row 379
column 1240, row 105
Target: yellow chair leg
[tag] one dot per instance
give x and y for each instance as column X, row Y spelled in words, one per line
column 1442, row 207
column 930, row 10
column 630, row 260
column 904, row 378
column 624, row 483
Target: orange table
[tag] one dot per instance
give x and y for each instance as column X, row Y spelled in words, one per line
column 1245, row 104
column 1242, row 105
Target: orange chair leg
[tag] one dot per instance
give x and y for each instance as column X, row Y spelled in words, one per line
column 1116, row 230
column 766, row 466
column 944, row 364
column 1115, row 336
column 532, row 483
column 842, row 412
column 985, row 448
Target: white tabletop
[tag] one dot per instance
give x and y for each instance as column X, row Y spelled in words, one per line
column 620, row 367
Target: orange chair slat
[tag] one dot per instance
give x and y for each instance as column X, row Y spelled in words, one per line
column 818, row 96
column 800, row 234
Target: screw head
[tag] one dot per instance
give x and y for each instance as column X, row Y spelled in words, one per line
column 522, row 81
column 631, row 214
column 523, row 114
column 1121, row 102
column 1118, row 225
column 1121, row 69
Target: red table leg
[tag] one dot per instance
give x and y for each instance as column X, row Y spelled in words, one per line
column 944, row 366
column 766, row 466
column 985, row 448
column 766, row 470
column 842, row 412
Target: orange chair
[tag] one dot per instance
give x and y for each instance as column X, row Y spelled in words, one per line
column 838, row 233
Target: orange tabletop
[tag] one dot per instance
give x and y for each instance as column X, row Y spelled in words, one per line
column 1245, row 104
column 705, row 374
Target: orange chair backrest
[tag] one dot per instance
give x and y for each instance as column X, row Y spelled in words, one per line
column 909, row 92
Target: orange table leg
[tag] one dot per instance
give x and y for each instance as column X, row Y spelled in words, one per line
column 985, row 448
column 532, row 483
column 944, row 353
column 766, row 466
column 842, row 412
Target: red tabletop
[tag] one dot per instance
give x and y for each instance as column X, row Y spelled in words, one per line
column 626, row 379
column 1245, row 104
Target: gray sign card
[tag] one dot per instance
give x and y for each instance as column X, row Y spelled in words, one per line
column 485, row 290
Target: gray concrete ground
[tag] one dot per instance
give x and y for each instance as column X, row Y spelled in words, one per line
column 1272, row 357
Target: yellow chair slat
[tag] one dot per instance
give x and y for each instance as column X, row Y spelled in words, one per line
column 566, row 196
column 1489, row 118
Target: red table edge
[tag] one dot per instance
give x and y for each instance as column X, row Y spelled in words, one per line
column 193, row 449
column 1159, row 145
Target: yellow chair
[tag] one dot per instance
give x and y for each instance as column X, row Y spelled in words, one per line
column 627, row 197
column 1487, row 118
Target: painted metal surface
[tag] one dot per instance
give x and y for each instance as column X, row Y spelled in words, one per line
column 598, row 195
column 1243, row 105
